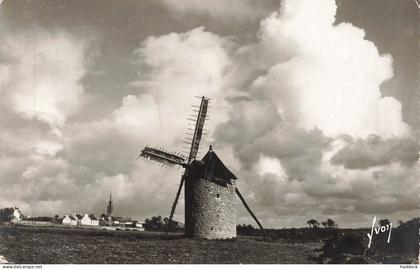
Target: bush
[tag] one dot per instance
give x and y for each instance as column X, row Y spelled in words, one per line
column 346, row 247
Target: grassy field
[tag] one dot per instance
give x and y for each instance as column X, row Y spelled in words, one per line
column 77, row 246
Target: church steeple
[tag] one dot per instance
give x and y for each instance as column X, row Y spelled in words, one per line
column 109, row 207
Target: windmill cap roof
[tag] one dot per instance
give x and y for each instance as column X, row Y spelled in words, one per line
column 214, row 169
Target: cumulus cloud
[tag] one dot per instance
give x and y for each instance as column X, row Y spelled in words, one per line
column 317, row 117
column 40, row 90
column 374, row 151
column 324, row 75
column 176, row 67
column 38, row 79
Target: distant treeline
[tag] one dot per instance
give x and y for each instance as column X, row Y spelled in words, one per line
column 295, row 234
column 159, row 224
column 311, row 233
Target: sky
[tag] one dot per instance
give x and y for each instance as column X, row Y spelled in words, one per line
column 314, row 105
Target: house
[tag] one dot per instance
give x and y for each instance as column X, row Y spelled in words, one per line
column 69, row 220
column 122, row 222
column 139, row 225
column 86, row 220
column 95, row 220
column 17, row 216
column 89, row 220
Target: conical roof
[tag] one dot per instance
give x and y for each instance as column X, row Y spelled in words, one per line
column 214, row 169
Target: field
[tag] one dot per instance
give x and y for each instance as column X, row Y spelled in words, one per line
column 77, row 246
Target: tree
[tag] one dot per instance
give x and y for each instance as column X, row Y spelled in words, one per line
column 153, row 224
column 313, row 223
column 245, row 229
column 384, row 222
column 175, row 225
column 331, row 223
column 6, row 214
column 160, row 224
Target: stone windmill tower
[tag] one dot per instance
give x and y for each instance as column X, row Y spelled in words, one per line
column 213, row 198
column 210, row 191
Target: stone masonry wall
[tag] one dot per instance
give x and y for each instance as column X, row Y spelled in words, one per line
column 214, row 210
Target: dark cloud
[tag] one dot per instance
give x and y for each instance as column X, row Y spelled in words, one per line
column 375, row 151
column 105, row 150
column 299, row 151
column 250, row 119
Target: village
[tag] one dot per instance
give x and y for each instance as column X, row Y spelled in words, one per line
column 105, row 221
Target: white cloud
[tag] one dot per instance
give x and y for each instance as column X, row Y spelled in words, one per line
column 184, row 64
column 176, row 67
column 137, row 116
column 41, row 77
column 325, row 76
column 267, row 165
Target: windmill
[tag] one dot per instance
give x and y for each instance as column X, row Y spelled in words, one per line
column 210, row 204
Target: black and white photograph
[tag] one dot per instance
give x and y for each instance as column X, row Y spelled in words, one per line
column 263, row 132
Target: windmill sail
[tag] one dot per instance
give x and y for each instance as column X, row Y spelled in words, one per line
column 198, row 131
column 162, row 156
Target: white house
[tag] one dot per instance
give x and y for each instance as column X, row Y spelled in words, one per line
column 89, row 220
column 69, row 220
column 95, row 220
column 16, row 215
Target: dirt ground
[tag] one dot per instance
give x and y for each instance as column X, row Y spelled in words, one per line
column 43, row 245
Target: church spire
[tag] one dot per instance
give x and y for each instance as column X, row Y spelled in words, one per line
column 109, row 207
